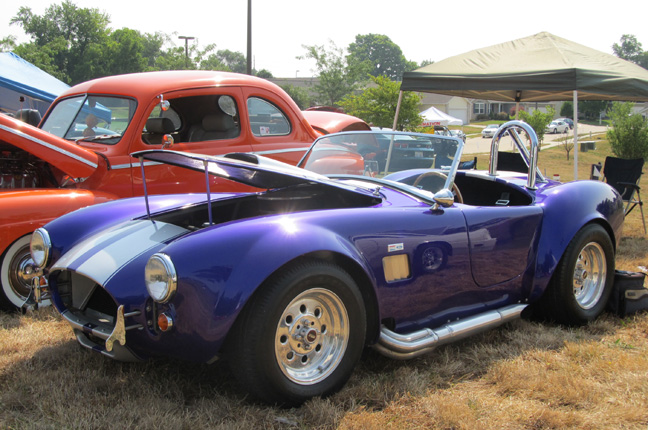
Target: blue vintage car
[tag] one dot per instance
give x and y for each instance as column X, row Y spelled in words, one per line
column 291, row 280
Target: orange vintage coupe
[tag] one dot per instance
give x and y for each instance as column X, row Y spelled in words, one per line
column 79, row 155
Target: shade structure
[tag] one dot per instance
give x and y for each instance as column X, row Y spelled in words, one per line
column 434, row 116
column 19, row 78
column 542, row 67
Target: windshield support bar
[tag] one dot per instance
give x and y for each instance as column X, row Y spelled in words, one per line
column 209, row 208
column 148, row 210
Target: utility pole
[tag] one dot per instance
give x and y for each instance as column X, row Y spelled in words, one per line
column 249, row 38
column 186, row 39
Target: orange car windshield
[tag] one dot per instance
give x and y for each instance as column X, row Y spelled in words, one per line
column 86, row 117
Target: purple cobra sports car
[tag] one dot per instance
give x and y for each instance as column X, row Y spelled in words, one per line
column 291, row 282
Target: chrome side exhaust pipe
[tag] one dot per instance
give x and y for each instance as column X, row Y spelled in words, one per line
column 410, row 345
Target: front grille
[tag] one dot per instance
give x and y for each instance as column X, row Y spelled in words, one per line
column 86, row 299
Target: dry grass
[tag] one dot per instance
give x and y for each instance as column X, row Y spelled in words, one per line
column 525, row 375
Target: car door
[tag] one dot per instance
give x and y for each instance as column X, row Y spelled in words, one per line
column 200, row 125
column 502, row 241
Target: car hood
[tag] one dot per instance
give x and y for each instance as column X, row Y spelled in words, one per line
column 101, row 256
column 249, row 169
column 66, row 156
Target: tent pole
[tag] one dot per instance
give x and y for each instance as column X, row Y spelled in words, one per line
column 575, row 135
column 398, row 105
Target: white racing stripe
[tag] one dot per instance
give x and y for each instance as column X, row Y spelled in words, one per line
column 104, row 254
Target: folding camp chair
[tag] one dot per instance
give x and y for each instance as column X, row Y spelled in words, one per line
column 512, row 162
column 624, row 176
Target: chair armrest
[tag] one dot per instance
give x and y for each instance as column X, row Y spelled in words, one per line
column 629, row 185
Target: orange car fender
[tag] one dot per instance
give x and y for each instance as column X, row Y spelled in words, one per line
column 23, row 211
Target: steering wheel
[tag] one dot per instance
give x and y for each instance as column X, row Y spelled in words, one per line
column 455, row 189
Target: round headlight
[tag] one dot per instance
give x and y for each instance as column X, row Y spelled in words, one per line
column 161, row 278
column 40, row 247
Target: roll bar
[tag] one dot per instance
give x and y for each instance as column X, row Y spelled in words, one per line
column 531, row 159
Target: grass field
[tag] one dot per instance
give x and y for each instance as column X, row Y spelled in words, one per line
column 525, row 375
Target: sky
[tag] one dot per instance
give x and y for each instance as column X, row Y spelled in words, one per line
column 424, row 29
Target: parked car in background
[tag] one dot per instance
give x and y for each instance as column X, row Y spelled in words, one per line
column 568, row 121
column 290, row 283
column 458, row 133
column 80, row 155
column 557, row 126
column 489, row 130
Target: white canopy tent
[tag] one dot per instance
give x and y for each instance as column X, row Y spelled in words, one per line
column 434, row 116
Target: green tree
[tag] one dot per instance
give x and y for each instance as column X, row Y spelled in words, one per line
column 628, row 136
column 377, row 105
column 630, row 49
column 379, row 56
column 592, row 108
column 7, row 44
column 567, row 109
column 264, row 73
column 538, row 120
column 299, row 95
column 337, row 77
column 72, row 36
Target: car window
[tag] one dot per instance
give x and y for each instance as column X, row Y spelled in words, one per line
column 266, row 119
column 97, row 118
column 194, row 119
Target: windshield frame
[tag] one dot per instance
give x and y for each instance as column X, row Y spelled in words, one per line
column 450, row 171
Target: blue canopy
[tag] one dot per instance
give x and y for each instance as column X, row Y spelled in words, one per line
column 21, row 78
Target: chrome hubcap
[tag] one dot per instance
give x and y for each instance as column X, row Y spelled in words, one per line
column 312, row 336
column 589, row 275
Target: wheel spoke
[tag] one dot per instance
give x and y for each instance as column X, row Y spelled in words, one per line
column 589, row 275
column 311, row 336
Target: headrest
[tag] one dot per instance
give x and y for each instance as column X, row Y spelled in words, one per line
column 160, row 125
column 217, row 122
column 30, row 116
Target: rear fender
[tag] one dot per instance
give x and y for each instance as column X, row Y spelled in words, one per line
column 567, row 209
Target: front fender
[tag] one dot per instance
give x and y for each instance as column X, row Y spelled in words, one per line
column 567, row 209
column 224, row 277
column 23, row 211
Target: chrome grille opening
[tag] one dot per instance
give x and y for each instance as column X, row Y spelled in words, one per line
column 86, row 299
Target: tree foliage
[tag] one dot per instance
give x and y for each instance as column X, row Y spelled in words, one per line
column 337, row 77
column 377, row 55
column 538, row 120
column 592, row 108
column 567, row 110
column 628, row 136
column 299, row 95
column 630, row 49
column 377, row 105
column 75, row 44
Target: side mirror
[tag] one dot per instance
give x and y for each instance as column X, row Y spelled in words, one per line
column 167, row 141
column 443, row 198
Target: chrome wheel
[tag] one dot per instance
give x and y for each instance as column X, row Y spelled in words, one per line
column 312, row 336
column 590, row 273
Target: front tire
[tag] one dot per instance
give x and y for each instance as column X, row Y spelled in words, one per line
column 15, row 277
column 582, row 284
column 300, row 335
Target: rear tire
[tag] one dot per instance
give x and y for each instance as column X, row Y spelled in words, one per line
column 582, row 283
column 300, row 335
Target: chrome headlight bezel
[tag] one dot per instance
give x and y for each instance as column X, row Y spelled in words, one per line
column 160, row 277
column 40, row 247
